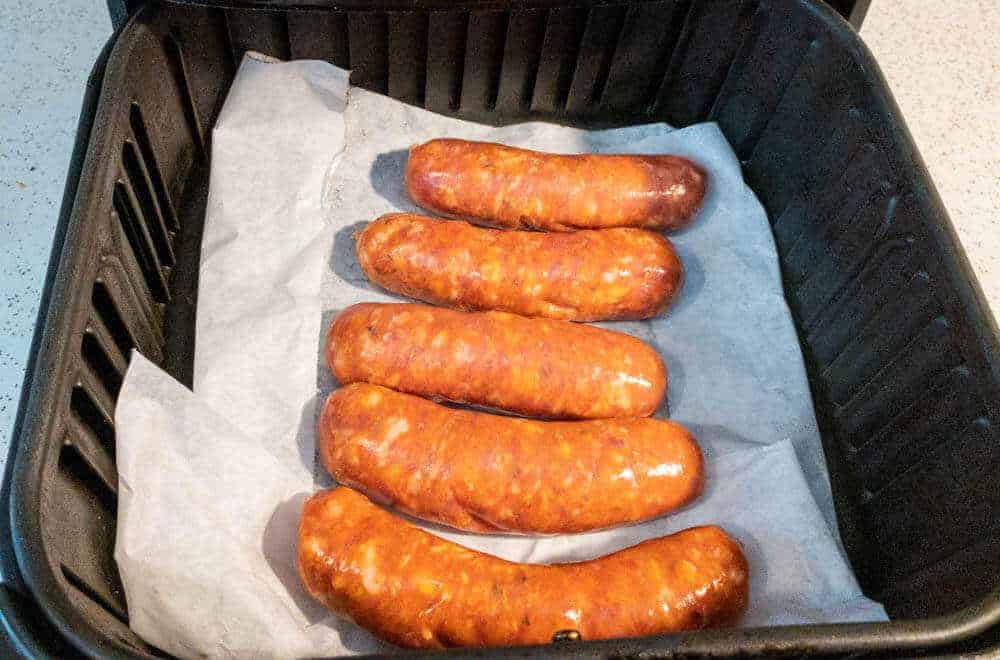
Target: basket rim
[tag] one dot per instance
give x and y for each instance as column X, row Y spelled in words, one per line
column 24, row 490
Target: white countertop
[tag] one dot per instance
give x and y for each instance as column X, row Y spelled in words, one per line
column 46, row 52
column 942, row 61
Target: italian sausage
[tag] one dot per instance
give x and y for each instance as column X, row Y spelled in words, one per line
column 488, row 473
column 415, row 589
column 517, row 188
column 534, row 367
column 611, row 274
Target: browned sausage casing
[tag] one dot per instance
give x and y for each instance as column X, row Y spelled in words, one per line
column 517, row 188
column 611, row 274
column 418, row 590
column 489, row 473
column 535, row 367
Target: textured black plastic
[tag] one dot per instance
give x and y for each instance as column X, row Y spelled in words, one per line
column 901, row 351
column 852, row 10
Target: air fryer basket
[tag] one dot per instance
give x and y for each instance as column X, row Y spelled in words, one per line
column 900, row 348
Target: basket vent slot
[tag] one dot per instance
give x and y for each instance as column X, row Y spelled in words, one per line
column 485, row 41
column 100, row 363
column 408, row 66
column 151, row 214
column 368, row 50
column 107, row 311
column 319, row 35
column 888, row 269
column 929, row 358
column 75, row 465
column 844, row 257
column 712, row 34
column 341, row 40
column 90, row 415
column 648, row 34
column 140, row 241
column 142, row 138
column 943, row 503
column 175, row 59
column 617, row 21
column 905, row 441
column 446, row 39
column 557, row 60
column 525, row 36
column 593, row 62
column 80, row 585
column 880, row 338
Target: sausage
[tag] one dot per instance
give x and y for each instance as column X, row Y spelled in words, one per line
column 533, row 367
column 612, row 274
column 518, row 189
column 415, row 589
column 488, row 473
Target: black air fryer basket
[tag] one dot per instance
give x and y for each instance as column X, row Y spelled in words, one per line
column 901, row 351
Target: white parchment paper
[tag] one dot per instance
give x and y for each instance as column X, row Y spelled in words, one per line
column 212, row 481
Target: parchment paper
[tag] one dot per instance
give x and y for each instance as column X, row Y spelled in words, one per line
column 212, row 481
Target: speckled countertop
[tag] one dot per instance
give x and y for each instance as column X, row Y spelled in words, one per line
column 942, row 61
column 46, row 52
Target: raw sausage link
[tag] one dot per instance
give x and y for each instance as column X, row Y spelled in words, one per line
column 534, row 367
column 488, row 473
column 611, row 274
column 418, row 590
column 518, row 188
